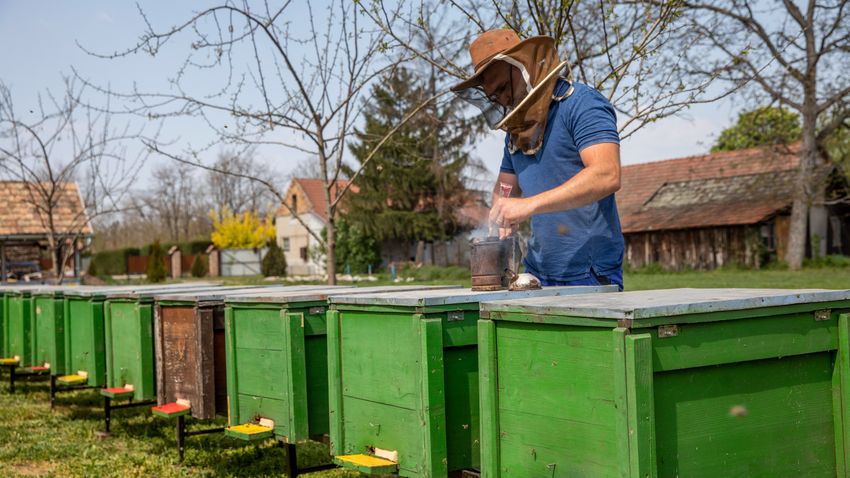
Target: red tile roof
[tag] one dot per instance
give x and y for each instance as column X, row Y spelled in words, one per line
column 19, row 215
column 314, row 192
column 729, row 188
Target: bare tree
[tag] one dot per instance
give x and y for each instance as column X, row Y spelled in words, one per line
column 292, row 85
column 629, row 50
column 66, row 150
column 795, row 54
column 175, row 203
column 231, row 190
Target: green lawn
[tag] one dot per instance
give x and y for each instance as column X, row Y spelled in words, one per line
column 810, row 278
column 37, row 442
column 815, row 277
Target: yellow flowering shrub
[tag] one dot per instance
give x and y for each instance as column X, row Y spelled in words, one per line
column 247, row 231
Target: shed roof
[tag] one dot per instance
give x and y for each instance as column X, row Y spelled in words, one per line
column 20, row 215
column 720, row 189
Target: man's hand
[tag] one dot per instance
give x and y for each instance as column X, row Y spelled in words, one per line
column 507, row 213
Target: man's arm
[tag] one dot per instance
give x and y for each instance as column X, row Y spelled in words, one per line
column 599, row 178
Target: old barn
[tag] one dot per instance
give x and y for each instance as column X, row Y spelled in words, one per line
column 703, row 212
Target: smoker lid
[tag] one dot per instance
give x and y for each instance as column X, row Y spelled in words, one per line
column 425, row 298
column 647, row 304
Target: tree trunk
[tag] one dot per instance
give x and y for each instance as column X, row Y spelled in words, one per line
column 797, row 230
column 330, row 246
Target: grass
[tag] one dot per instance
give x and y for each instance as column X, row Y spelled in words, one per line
column 808, row 278
column 823, row 275
column 37, row 442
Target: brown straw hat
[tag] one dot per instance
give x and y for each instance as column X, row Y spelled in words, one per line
column 483, row 49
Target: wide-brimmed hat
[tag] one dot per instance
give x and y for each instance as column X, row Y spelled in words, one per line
column 536, row 61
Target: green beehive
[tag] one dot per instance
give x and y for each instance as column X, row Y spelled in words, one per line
column 48, row 329
column 669, row 383
column 128, row 331
column 18, row 325
column 404, row 388
column 277, row 367
column 6, row 292
column 85, row 345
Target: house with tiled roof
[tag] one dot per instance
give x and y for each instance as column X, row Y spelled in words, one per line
column 703, row 212
column 305, row 208
column 25, row 226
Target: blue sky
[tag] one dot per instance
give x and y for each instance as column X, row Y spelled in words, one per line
column 40, row 44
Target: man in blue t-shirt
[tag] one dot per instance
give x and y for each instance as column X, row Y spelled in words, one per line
column 561, row 165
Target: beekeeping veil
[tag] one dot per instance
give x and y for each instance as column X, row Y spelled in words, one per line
column 532, row 66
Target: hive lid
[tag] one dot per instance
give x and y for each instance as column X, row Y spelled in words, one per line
column 221, row 293
column 102, row 291
column 426, row 298
column 648, row 304
column 324, row 293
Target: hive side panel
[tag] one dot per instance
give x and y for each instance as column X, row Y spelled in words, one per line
column 380, row 364
column 556, row 408
column 180, row 355
column 261, row 380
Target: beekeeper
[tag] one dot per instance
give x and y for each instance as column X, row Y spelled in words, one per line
column 561, row 158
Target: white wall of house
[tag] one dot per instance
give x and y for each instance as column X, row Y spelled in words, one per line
column 297, row 242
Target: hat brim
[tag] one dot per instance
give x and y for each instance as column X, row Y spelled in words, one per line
column 475, row 79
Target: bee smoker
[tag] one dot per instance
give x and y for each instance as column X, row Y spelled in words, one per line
column 494, row 262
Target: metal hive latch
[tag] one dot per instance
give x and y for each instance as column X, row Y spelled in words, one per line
column 667, row 331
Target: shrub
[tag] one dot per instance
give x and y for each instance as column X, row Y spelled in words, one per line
column 274, row 262
column 245, row 232
column 199, row 266
column 156, row 263
column 112, row 262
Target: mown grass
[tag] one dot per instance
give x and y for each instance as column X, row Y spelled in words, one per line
column 35, row 441
column 807, row 278
column 818, row 275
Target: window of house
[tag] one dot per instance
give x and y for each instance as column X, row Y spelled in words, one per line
column 303, row 254
column 294, row 204
column 286, row 244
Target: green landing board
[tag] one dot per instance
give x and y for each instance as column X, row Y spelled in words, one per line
column 85, row 345
column 277, row 368
column 19, row 327
column 128, row 324
column 48, row 342
column 756, row 393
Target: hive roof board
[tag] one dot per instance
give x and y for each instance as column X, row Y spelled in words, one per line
column 150, row 294
column 328, row 292
column 648, row 304
column 429, row 298
column 103, row 291
column 222, row 293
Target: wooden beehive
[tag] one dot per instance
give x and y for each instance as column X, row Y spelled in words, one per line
column 669, row 383
column 277, row 362
column 404, row 378
column 189, row 349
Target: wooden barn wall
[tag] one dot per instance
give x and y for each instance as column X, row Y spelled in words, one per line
column 700, row 249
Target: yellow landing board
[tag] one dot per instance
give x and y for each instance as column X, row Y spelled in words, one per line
column 367, row 463
column 249, row 431
column 71, row 379
column 8, row 361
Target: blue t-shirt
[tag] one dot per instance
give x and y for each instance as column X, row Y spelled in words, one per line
column 579, row 243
